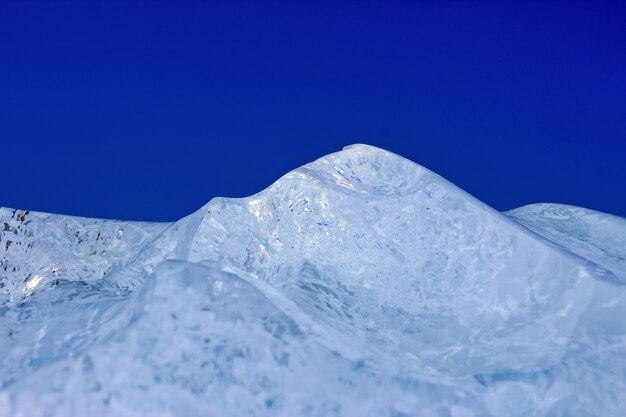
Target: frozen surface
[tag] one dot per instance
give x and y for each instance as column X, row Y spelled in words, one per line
column 359, row 284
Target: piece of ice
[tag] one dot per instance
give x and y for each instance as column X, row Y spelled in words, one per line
column 359, row 284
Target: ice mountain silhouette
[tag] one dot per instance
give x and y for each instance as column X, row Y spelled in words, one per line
column 358, row 284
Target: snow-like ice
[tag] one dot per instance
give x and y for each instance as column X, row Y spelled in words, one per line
column 359, row 284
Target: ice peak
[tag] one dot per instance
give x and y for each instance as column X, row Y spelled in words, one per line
column 358, row 284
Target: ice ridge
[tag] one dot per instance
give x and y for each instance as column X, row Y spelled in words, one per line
column 359, row 284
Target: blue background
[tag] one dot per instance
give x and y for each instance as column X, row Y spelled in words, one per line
column 147, row 110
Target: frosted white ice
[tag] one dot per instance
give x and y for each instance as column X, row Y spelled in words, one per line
column 359, row 284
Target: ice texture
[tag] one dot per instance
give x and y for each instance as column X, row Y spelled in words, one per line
column 359, row 284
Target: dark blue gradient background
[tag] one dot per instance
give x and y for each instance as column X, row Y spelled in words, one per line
column 146, row 110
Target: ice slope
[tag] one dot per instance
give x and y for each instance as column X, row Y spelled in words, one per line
column 359, row 284
column 598, row 237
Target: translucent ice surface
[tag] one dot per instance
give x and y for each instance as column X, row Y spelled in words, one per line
column 360, row 284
